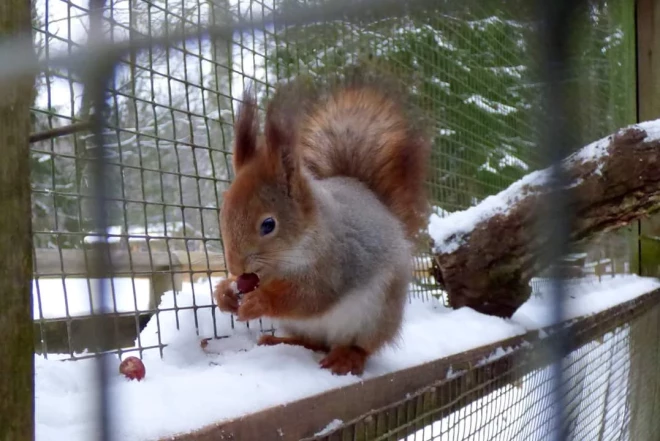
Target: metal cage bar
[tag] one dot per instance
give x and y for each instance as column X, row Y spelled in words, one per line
column 182, row 133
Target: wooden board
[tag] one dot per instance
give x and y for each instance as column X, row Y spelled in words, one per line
column 55, row 263
column 366, row 401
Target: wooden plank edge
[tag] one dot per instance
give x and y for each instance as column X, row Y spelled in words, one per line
column 506, row 370
column 303, row 418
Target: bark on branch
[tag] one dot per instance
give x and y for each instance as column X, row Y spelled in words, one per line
column 485, row 256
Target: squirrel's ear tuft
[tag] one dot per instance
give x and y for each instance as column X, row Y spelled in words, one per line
column 246, row 131
column 280, row 140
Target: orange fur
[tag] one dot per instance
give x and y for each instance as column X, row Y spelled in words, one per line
column 224, row 296
column 246, row 130
column 345, row 359
column 389, row 158
column 277, row 298
column 267, row 169
column 363, row 129
column 359, row 130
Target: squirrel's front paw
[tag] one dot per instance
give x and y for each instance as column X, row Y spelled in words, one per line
column 225, row 297
column 254, row 306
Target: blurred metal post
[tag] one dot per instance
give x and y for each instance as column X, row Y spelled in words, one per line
column 97, row 73
column 101, row 262
column 557, row 18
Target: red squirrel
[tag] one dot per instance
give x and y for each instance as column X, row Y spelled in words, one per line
column 325, row 208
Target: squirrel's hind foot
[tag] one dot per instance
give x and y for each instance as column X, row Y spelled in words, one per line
column 343, row 360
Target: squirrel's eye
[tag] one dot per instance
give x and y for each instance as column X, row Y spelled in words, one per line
column 267, row 226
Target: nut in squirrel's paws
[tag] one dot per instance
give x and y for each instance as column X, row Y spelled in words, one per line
column 228, row 292
column 343, row 360
column 246, row 283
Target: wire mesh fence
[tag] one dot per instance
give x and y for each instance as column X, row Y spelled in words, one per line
column 507, row 397
column 169, row 132
column 165, row 149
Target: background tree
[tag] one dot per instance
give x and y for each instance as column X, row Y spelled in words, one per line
column 471, row 71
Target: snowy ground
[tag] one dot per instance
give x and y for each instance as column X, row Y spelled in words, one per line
column 190, row 388
column 596, row 386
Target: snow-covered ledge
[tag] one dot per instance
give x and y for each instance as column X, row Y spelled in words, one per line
column 234, row 387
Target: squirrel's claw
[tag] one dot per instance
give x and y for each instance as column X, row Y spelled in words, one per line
column 225, row 297
column 252, row 307
column 343, row 360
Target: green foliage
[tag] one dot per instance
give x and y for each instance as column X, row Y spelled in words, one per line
column 471, row 72
column 469, row 69
column 605, row 70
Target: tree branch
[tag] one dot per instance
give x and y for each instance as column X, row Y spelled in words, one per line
column 485, row 256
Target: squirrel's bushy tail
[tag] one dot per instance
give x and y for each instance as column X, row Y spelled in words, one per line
column 363, row 127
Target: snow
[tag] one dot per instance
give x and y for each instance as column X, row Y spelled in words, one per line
column 113, row 233
column 448, row 233
column 437, row 34
column 575, row 256
column 489, row 105
column 597, row 387
column 597, row 391
column 598, row 149
column 514, row 71
column 589, row 295
column 510, row 160
column 486, row 166
column 70, row 297
column 332, row 425
column 190, row 388
column 440, row 211
column 443, row 84
column 493, row 20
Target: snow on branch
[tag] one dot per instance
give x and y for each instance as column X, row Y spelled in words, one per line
column 486, row 255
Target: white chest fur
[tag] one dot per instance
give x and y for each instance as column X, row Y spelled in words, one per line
column 353, row 319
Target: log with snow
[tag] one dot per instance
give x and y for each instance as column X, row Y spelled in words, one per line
column 485, row 256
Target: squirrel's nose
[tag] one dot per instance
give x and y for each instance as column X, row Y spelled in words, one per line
column 235, row 263
column 241, row 263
